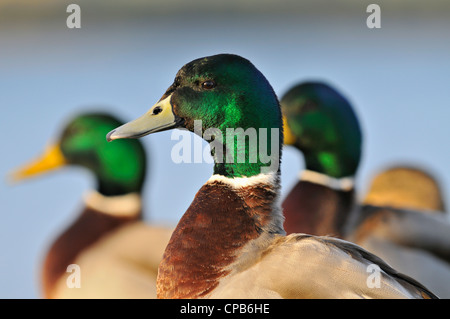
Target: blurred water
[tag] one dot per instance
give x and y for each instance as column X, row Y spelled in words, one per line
column 397, row 78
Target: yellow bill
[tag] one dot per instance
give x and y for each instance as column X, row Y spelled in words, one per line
column 289, row 138
column 159, row 118
column 51, row 159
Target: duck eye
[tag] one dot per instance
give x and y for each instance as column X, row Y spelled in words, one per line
column 208, row 85
column 157, row 110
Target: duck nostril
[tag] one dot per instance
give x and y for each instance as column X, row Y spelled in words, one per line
column 157, row 110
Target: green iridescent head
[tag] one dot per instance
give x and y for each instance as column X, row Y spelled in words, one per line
column 321, row 123
column 225, row 92
column 119, row 168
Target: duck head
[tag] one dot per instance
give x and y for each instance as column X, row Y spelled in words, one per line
column 214, row 97
column 322, row 124
column 119, row 168
column 406, row 187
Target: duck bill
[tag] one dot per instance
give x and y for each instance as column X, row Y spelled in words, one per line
column 52, row 159
column 289, row 138
column 159, row 118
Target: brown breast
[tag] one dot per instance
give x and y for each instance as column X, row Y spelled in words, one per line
column 220, row 220
column 90, row 226
column 317, row 210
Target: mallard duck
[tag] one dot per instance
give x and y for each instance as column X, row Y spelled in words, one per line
column 230, row 243
column 402, row 220
column 322, row 124
column 117, row 254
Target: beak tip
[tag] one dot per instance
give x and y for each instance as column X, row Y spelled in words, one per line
column 13, row 178
column 109, row 136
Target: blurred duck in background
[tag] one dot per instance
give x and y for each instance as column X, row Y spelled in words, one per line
column 323, row 126
column 406, row 187
column 403, row 221
column 321, row 123
column 117, row 253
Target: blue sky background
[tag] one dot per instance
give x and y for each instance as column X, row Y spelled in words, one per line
column 127, row 53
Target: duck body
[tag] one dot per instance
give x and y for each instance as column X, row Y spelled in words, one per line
column 230, row 243
column 114, row 267
column 93, row 225
column 109, row 243
column 235, row 247
column 415, row 240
